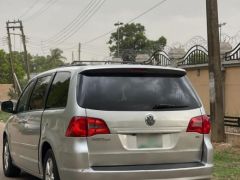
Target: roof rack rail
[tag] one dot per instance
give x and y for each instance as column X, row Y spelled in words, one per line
column 83, row 63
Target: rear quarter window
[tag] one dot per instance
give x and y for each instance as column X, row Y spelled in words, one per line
column 58, row 93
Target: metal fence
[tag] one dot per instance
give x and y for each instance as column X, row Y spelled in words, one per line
column 196, row 55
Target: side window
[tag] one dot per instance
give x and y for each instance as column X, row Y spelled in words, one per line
column 39, row 92
column 23, row 101
column 58, row 94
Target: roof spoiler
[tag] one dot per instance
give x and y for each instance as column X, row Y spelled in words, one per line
column 82, row 63
column 131, row 71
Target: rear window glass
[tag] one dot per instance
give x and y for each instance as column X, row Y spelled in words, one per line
column 135, row 93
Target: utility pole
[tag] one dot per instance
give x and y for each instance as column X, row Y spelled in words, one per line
column 72, row 56
column 79, row 51
column 220, row 30
column 118, row 24
column 25, row 50
column 18, row 25
column 10, row 56
column 215, row 73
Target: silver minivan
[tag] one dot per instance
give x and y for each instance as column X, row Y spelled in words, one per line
column 108, row 122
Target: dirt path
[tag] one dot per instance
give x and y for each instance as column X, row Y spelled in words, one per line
column 23, row 176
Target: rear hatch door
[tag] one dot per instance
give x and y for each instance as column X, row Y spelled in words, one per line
column 147, row 113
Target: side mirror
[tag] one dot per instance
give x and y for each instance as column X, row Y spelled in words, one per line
column 7, row 106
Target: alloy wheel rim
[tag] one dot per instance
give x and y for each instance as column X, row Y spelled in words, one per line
column 6, row 156
column 49, row 174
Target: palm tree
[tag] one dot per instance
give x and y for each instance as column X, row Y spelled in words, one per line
column 56, row 56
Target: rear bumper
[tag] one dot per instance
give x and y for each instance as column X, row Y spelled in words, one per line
column 75, row 166
column 201, row 171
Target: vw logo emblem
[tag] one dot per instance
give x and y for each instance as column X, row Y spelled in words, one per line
column 150, row 121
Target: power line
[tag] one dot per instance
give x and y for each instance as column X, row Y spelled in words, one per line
column 40, row 11
column 29, row 9
column 147, row 11
column 85, row 19
column 81, row 25
column 133, row 19
column 107, row 33
column 99, row 37
column 73, row 25
column 75, row 20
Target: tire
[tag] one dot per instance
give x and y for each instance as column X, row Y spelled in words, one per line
column 9, row 169
column 50, row 170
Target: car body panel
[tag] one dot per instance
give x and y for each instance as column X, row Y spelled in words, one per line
column 25, row 129
column 132, row 141
column 179, row 171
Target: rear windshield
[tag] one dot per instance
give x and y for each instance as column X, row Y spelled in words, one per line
column 136, row 93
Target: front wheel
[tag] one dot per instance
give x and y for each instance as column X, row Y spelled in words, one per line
column 9, row 169
column 50, row 167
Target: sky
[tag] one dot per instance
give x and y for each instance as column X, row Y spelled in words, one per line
column 47, row 23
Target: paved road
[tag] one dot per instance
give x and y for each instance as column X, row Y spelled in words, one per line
column 23, row 176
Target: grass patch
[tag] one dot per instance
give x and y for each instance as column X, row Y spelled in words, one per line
column 4, row 116
column 226, row 163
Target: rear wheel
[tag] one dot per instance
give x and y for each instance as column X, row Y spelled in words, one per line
column 50, row 167
column 9, row 169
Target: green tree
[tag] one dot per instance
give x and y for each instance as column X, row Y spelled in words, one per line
column 42, row 63
column 156, row 45
column 132, row 40
column 5, row 68
column 39, row 64
column 56, row 56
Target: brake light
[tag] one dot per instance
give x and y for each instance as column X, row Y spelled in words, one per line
column 200, row 124
column 86, row 127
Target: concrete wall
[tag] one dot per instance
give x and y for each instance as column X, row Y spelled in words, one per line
column 232, row 91
column 200, row 80
column 4, row 89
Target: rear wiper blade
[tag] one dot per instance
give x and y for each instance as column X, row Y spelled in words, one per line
column 166, row 106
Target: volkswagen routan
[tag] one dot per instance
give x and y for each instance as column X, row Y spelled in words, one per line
column 108, row 122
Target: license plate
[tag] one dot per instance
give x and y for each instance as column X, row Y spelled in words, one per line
column 149, row 141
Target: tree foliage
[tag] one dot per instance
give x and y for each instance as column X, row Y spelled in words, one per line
column 157, row 45
column 37, row 64
column 133, row 41
column 44, row 63
column 5, row 68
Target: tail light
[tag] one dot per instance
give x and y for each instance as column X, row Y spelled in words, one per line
column 86, row 127
column 200, row 124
